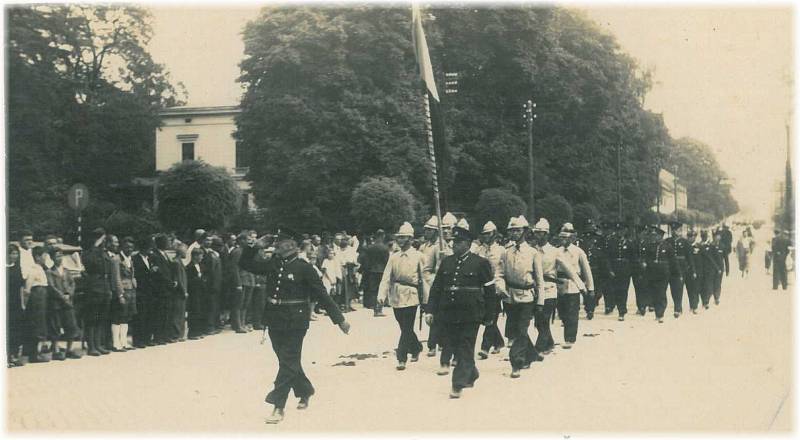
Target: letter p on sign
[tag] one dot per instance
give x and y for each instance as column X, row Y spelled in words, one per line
column 78, row 197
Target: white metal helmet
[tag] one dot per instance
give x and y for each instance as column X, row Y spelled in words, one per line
column 449, row 220
column 432, row 223
column 463, row 224
column 406, row 230
column 542, row 225
column 489, row 227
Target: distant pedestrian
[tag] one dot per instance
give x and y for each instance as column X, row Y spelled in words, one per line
column 373, row 262
column 35, row 301
column 197, row 289
column 61, row 312
column 123, row 308
column 780, row 252
column 15, row 313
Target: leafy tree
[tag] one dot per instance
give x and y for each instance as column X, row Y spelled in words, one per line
column 497, row 205
column 195, row 195
column 83, row 100
column 556, row 209
column 381, row 202
column 341, row 100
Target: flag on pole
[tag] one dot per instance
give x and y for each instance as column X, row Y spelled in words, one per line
column 421, row 51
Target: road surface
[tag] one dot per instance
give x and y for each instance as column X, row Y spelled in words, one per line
column 727, row 369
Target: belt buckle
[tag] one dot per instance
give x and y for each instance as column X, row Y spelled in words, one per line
column 453, row 288
column 274, row 301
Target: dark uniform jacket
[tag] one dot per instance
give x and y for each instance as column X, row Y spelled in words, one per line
column 212, row 268
column 698, row 259
column 163, row 275
column 463, row 290
column 660, row 260
column 291, row 286
column 594, row 248
column 374, row 258
column 780, row 248
column 197, row 286
column 144, row 277
column 99, row 271
column 683, row 255
column 620, row 253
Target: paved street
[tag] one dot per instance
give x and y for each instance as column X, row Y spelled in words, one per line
column 726, row 369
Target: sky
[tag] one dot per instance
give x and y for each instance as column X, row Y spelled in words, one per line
column 722, row 74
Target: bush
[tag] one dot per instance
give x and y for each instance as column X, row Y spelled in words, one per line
column 556, row 209
column 195, row 195
column 136, row 225
column 381, row 202
column 497, row 205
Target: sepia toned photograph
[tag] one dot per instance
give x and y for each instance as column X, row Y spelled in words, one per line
column 400, row 218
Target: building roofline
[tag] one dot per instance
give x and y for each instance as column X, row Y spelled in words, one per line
column 201, row 111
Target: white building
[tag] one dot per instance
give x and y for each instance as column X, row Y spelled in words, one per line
column 202, row 133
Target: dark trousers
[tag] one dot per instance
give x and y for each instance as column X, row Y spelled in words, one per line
column 371, row 283
column 436, row 338
column 197, row 320
column 288, row 347
column 15, row 329
column 779, row 275
column 256, row 310
column 569, row 307
column 238, row 308
column 542, row 314
column 619, row 293
column 717, row 287
column 518, row 319
column 36, row 319
column 589, row 302
column 142, row 323
column 642, row 295
column 708, row 285
column 693, row 288
column 161, row 318
column 676, row 290
column 492, row 338
column 658, row 295
column 247, row 300
column 177, row 317
column 461, row 339
column 408, row 344
column 727, row 263
column 213, row 309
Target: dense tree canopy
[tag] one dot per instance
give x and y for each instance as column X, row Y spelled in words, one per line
column 381, row 203
column 333, row 96
column 83, row 96
column 195, row 195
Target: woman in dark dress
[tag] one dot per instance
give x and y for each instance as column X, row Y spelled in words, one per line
column 15, row 322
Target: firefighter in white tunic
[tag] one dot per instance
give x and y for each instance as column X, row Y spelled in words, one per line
column 518, row 278
column 552, row 265
column 569, row 290
column 487, row 248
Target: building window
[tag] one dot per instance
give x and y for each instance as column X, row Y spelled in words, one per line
column 240, row 162
column 187, row 151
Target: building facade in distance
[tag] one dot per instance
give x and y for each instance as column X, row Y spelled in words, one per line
column 206, row 134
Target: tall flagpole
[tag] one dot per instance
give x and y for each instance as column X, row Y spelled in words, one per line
column 434, row 173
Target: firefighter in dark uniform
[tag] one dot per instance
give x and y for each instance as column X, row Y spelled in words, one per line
column 659, row 263
column 620, row 253
column 694, row 283
column 712, row 269
column 684, row 268
column 292, row 284
column 461, row 298
column 593, row 244
column 639, row 241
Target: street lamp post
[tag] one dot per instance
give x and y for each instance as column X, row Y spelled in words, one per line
column 529, row 117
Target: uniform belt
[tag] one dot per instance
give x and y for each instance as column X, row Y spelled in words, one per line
column 519, row 286
column 550, row 279
column 286, row 302
column 465, row 289
column 681, row 258
column 403, row 283
column 620, row 259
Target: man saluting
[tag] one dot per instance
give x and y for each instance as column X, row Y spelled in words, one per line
column 292, row 284
column 460, row 300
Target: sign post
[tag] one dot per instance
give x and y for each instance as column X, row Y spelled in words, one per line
column 78, row 199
